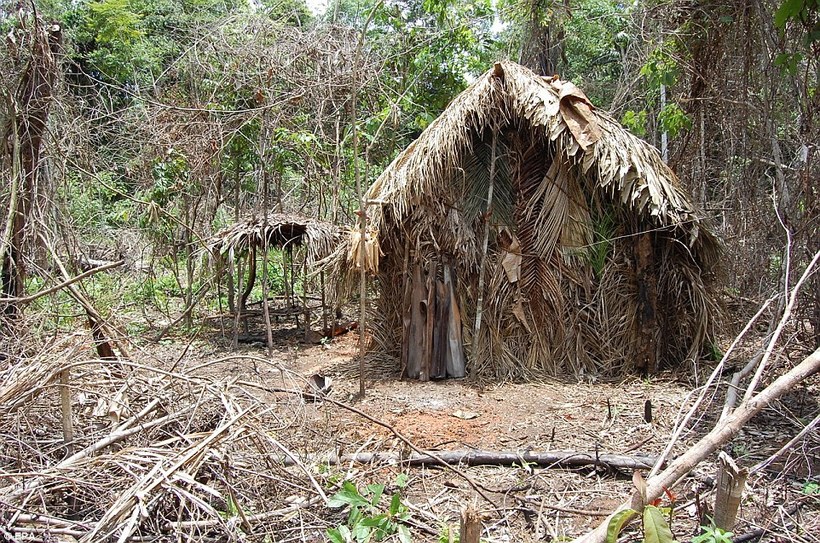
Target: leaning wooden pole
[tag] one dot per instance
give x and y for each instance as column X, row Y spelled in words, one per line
column 479, row 308
column 362, row 203
column 722, row 433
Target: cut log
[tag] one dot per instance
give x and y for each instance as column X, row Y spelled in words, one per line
column 551, row 459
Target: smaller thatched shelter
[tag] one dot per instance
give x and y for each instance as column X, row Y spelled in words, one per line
column 279, row 231
column 530, row 233
column 258, row 234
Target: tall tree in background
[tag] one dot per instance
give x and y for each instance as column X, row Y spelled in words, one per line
column 36, row 46
column 543, row 35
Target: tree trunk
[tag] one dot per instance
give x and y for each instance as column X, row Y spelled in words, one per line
column 32, row 102
column 543, row 48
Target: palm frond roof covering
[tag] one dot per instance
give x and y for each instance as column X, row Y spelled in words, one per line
column 571, row 246
column 276, row 230
column 593, row 144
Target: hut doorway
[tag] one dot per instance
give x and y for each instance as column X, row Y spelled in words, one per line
column 432, row 346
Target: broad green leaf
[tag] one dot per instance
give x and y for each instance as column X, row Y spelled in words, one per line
column 374, row 521
column 401, row 480
column 789, row 9
column 404, row 534
column 355, row 516
column 348, row 495
column 361, row 533
column 395, row 504
column 617, row 523
column 655, row 529
column 376, row 491
column 338, row 535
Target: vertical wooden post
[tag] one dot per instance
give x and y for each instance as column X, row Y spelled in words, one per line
column 731, row 481
column 265, row 304
column 65, row 403
column 429, row 321
column 646, row 276
column 470, row 526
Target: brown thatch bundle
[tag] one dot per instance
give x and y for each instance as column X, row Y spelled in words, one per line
column 573, row 245
column 276, row 230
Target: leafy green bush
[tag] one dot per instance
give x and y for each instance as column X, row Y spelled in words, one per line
column 713, row 534
column 369, row 519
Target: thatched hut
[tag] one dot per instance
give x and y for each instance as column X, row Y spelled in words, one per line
column 254, row 236
column 529, row 233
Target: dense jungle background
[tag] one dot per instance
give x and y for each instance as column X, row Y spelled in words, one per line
column 134, row 404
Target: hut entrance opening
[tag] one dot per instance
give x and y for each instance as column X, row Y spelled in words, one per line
column 432, row 346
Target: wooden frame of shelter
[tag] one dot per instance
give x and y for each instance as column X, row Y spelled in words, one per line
column 531, row 234
column 243, row 241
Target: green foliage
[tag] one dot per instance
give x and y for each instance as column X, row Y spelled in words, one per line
column 796, row 10
column 617, row 523
column 789, row 62
column 113, row 21
column 635, row 122
column 811, row 488
column 715, row 353
column 673, row 119
column 166, row 198
column 803, row 15
column 661, row 68
column 369, row 519
column 95, row 205
column 595, row 39
column 654, row 526
column 713, row 534
column 604, row 229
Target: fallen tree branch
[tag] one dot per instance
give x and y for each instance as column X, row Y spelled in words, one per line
column 55, row 288
column 551, row 459
column 725, row 430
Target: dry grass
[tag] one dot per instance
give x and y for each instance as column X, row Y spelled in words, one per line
column 186, row 446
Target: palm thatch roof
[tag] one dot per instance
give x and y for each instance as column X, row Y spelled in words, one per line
column 564, row 194
column 276, row 230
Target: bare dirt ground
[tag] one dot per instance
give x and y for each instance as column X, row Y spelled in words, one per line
column 532, row 504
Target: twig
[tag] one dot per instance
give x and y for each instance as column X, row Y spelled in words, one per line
column 810, row 426
column 724, row 431
column 679, row 429
column 786, row 315
column 112, row 438
column 55, row 288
